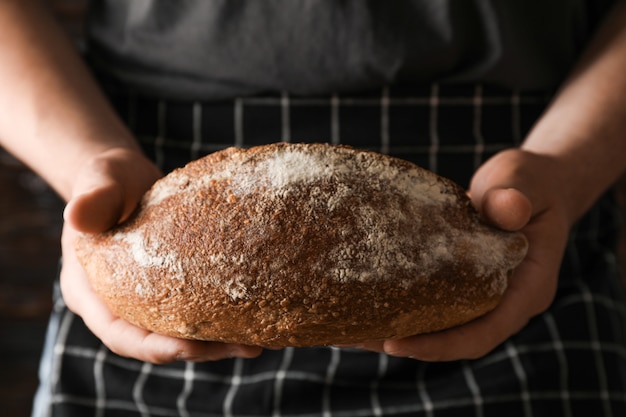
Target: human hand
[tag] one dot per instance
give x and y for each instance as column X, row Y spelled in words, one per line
column 514, row 190
column 106, row 192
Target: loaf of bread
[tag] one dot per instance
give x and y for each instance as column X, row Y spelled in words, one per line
column 301, row 245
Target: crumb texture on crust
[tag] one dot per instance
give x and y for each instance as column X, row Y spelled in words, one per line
column 301, row 245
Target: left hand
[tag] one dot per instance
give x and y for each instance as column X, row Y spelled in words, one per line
column 107, row 190
column 513, row 191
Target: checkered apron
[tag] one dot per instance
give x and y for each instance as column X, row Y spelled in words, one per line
column 570, row 361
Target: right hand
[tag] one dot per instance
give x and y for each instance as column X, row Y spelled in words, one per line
column 106, row 191
column 514, row 190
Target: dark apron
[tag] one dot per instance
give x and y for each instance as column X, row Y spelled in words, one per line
column 570, row 361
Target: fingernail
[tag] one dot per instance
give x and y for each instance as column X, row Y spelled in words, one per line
column 234, row 353
column 184, row 357
column 350, row 346
column 245, row 353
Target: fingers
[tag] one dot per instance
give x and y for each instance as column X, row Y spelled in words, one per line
column 472, row 340
column 96, row 210
column 513, row 186
column 507, row 209
column 127, row 340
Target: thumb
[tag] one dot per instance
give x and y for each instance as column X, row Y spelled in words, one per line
column 97, row 209
column 506, row 208
column 108, row 188
column 502, row 189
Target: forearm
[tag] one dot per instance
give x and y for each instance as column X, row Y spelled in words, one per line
column 52, row 114
column 584, row 130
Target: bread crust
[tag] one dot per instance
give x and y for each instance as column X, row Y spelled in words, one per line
column 301, row 245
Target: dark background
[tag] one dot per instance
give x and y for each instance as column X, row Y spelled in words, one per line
column 30, row 228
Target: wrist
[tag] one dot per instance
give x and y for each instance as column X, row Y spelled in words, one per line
column 580, row 167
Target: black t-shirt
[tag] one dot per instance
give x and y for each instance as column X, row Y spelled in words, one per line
column 211, row 49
